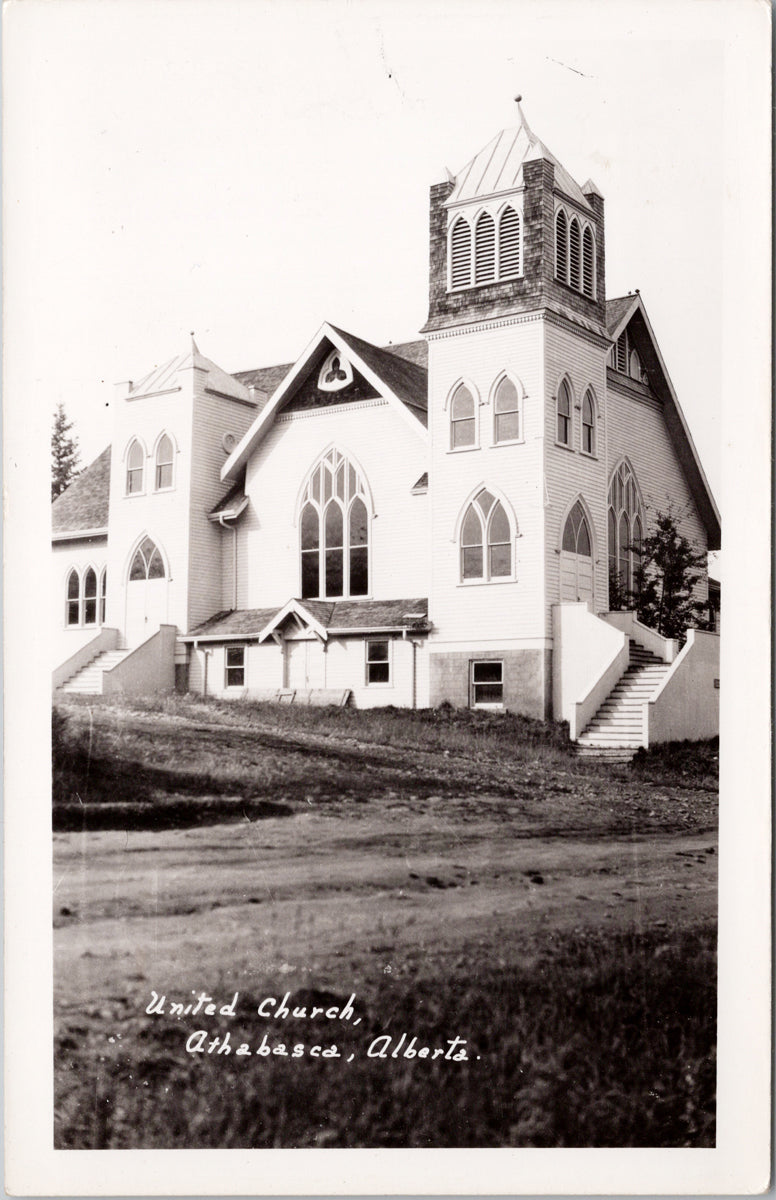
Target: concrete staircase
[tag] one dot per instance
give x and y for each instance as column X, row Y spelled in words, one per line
column 88, row 681
column 617, row 729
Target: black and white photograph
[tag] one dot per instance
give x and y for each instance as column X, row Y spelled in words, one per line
column 386, row 419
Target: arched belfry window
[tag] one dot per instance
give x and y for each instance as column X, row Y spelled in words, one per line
column 461, row 254
column 625, row 528
column 588, row 263
column 575, row 255
column 485, row 249
column 509, row 244
column 135, row 468
column 164, row 461
column 147, row 562
column 486, row 540
column 334, row 530
column 561, row 247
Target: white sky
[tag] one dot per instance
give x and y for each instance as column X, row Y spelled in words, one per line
column 247, row 170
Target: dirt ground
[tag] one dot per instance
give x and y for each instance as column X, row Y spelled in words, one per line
column 321, row 896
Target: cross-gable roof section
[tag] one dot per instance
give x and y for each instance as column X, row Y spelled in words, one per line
column 321, row 617
column 399, row 379
column 83, row 507
column 620, row 312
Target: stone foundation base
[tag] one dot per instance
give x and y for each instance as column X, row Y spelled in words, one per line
column 526, row 674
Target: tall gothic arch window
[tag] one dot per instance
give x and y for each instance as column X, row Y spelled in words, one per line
column 135, row 468
column 576, row 558
column 461, row 254
column 164, row 461
column 588, row 423
column 485, row 249
column 334, row 530
column 625, row 528
column 463, row 418
column 563, row 433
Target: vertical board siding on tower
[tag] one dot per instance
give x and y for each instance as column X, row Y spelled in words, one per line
column 505, row 610
column 568, row 472
column 391, row 457
column 637, row 431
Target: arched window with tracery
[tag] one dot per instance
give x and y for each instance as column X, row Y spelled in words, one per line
column 576, row 558
column 486, row 540
column 135, row 468
column 147, row 562
column 334, row 530
column 164, row 461
column 625, row 529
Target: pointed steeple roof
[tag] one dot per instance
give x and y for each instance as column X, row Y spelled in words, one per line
column 499, row 166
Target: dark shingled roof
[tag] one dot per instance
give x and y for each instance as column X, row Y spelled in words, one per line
column 84, row 505
column 616, row 310
column 266, row 379
column 406, row 379
column 331, row 614
column 415, row 352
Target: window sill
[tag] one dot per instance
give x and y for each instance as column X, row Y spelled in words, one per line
column 495, row 707
column 509, row 442
column 466, row 583
column 161, row 491
column 462, row 449
column 564, row 446
column 134, row 495
column 378, row 686
column 587, row 454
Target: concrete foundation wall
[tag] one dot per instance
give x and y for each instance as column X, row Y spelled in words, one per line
column 527, row 679
column 147, row 671
column 687, row 705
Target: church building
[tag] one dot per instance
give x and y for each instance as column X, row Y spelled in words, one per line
column 434, row 521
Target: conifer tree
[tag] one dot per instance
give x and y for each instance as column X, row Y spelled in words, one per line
column 668, row 570
column 65, row 455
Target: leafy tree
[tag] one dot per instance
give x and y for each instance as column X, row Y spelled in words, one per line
column 65, row 455
column 668, row 570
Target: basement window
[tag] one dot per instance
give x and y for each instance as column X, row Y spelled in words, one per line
column 378, row 661
column 235, row 666
column 487, row 684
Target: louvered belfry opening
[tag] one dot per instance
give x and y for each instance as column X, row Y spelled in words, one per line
column 485, row 250
column 575, row 254
column 588, row 264
column 561, row 247
column 461, row 254
column 509, row 244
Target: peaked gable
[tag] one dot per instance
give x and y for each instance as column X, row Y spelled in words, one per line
column 628, row 313
column 83, row 506
column 400, row 380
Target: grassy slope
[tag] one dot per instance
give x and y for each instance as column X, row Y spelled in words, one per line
column 464, row 874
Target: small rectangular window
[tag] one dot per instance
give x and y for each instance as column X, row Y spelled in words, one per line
column 487, row 684
column 378, row 661
column 235, row 666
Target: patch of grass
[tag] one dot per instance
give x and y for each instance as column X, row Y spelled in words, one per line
column 597, row 1040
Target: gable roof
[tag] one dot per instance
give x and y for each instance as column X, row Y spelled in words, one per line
column 619, row 313
column 399, row 379
column 498, row 167
column 84, row 505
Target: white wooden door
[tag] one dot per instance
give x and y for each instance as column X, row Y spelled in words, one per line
column 146, row 609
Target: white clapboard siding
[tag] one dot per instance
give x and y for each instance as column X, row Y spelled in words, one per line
column 637, row 430
column 501, row 610
column 569, row 472
column 391, row 457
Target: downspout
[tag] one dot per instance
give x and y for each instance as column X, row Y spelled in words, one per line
column 414, row 645
column 221, row 520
